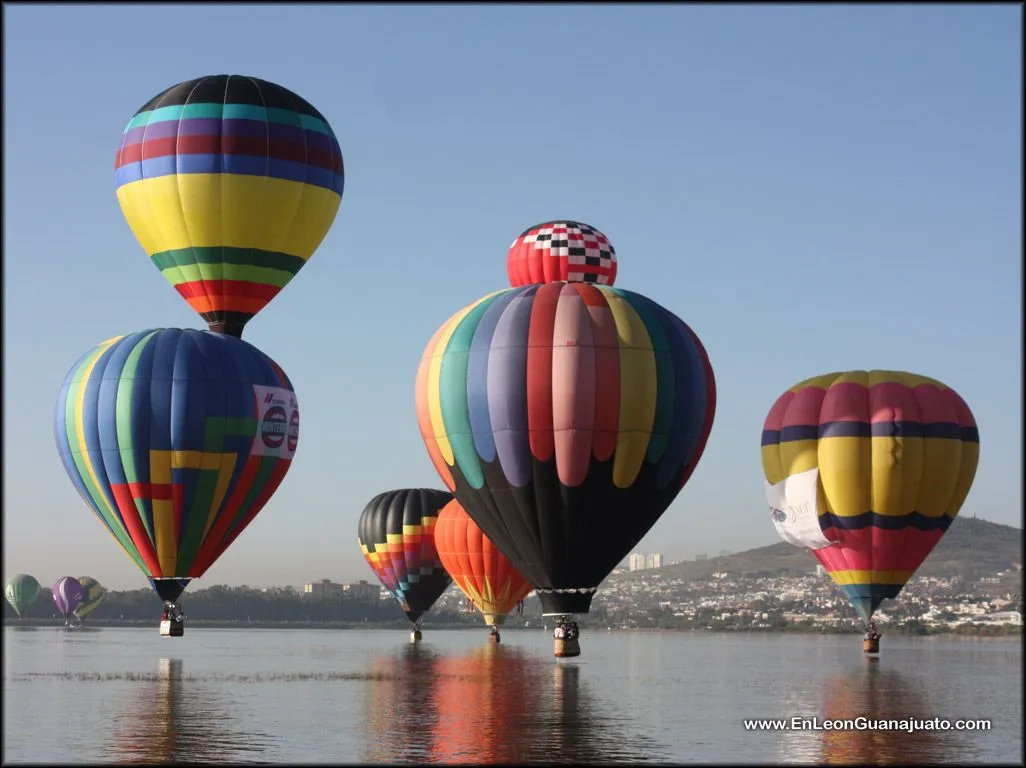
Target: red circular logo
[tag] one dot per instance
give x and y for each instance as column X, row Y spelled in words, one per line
column 274, row 427
column 293, row 431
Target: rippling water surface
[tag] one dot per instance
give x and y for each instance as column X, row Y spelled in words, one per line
column 359, row 696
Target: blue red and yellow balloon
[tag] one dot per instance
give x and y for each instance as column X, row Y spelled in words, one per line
column 396, row 533
column 566, row 417
column 230, row 184
column 896, row 454
column 176, row 439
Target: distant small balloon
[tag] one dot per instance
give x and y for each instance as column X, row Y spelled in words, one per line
column 68, row 594
column 561, row 250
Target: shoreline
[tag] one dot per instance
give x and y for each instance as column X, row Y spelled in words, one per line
column 402, row 626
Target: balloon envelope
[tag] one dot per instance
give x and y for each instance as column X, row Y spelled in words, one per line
column 485, row 575
column 21, row 591
column 68, row 594
column 396, row 536
column 230, row 184
column 561, row 250
column 868, row 469
column 176, row 439
column 94, row 594
column 566, row 417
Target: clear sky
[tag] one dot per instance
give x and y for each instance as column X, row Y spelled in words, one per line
column 811, row 188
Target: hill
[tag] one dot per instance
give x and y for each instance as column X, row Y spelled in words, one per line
column 971, row 548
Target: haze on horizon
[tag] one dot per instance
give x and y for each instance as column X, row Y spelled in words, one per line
column 811, row 188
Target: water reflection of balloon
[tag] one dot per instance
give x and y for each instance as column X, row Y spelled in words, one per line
column 21, row 591
column 482, row 698
column 173, row 720
column 176, row 439
column 94, row 594
column 485, row 575
column 566, row 418
column 879, row 694
column 230, row 184
column 867, row 470
column 401, row 707
column 396, row 533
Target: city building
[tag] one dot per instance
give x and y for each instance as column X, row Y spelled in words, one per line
column 639, row 561
column 322, row 587
column 361, row 591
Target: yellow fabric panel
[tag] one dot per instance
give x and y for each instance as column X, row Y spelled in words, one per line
column 966, row 474
column 822, row 382
column 846, row 471
column 942, row 459
column 164, row 532
column 224, row 476
column 897, row 474
column 856, row 578
column 772, row 467
column 638, row 390
column 206, row 210
column 411, row 530
column 160, row 467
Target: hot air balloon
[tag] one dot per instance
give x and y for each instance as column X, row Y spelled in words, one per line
column 867, row 470
column 94, row 594
column 21, row 591
column 68, row 595
column 485, row 575
column 230, row 184
column 566, row 418
column 397, row 536
column 561, row 250
column 176, row 439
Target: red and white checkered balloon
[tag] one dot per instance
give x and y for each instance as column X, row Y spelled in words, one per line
column 561, row 250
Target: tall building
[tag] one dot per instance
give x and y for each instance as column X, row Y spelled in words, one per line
column 636, row 562
column 322, row 587
column 361, row 591
column 654, row 560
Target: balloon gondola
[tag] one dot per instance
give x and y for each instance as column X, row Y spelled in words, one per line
column 566, row 418
column 867, row 469
column 229, row 183
column 396, row 534
column 176, row 439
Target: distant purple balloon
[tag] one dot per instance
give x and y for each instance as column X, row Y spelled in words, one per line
column 68, row 594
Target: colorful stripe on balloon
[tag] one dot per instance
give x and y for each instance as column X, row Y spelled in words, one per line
column 896, row 454
column 162, row 434
column 570, row 372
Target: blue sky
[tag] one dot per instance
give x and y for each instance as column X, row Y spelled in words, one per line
column 811, row 188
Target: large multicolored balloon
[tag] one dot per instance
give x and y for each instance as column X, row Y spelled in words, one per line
column 566, row 417
column 94, row 595
column 561, row 250
column 21, row 591
column 230, row 184
column 396, row 533
column 176, row 439
column 68, row 595
column 485, row 575
column 867, row 469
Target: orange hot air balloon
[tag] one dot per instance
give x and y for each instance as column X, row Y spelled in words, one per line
column 484, row 574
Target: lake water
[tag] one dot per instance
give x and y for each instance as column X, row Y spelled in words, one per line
column 360, row 696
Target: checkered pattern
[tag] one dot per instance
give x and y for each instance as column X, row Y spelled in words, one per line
column 587, row 254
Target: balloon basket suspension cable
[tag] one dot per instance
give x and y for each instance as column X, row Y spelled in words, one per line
column 566, row 636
